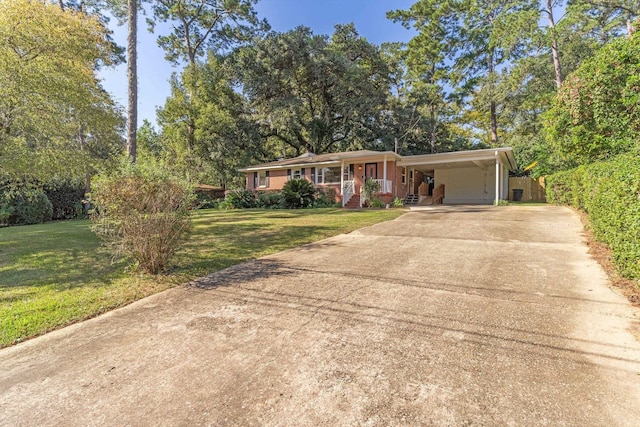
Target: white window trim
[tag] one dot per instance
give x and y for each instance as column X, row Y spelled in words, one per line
column 320, row 175
column 261, row 175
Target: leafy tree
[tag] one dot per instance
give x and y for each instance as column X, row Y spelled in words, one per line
column 199, row 25
column 312, row 93
column 55, row 118
column 224, row 139
column 597, row 114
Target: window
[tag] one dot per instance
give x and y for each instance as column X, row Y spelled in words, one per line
column 329, row 175
column 261, row 179
column 295, row 174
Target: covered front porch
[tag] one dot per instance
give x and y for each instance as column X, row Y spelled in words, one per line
column 381, row 169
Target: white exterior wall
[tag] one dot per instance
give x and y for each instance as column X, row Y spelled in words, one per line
column 469, row 185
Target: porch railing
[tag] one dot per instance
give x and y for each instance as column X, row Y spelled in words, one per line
column 385, row 185
column 348, row 190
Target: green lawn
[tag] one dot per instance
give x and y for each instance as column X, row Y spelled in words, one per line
column 55, row 274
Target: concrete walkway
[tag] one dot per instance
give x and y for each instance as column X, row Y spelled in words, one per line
column 449, row 316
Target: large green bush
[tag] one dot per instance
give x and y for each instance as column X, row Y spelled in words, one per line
column 269, row 200
column 23, row 205
column 298, row 193
column 142, row 212
column 240, row 199
column 610, row 193
column 596, row 114
column 66, row 196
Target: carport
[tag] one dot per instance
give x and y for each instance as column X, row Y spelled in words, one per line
column 469, row 177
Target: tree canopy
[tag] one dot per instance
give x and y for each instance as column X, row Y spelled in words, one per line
column 54, row 115
column 314, row 93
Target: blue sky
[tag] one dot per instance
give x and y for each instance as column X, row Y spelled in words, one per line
column 369, row 17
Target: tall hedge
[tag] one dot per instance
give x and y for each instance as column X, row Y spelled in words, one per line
column 610, row 194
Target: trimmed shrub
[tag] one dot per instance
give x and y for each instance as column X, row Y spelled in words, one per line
column 610, row 193
column 66, row 197
column 298, row 193
column 397, row 203
column 240, row 199
column 326, row 198
column 142, row 212
column 377, row 203
column 23, row 205
column 269, row 200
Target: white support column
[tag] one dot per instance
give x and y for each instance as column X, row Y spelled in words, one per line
column 497, row 178
column 384, row 167
column 503, row 195
column 342, row 183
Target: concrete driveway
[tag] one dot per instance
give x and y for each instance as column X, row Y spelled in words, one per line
column 450, row 316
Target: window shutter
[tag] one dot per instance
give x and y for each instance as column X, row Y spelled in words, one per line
column 255, row 180
column 288, row 174
column 313, row 175
column 302, row 173
column 267, row 175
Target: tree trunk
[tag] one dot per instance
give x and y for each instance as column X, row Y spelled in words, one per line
column 492, row 103
column 132, row 76
column 554, row 44
column 432, row 114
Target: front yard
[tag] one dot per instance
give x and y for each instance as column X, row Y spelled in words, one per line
column 55, row 274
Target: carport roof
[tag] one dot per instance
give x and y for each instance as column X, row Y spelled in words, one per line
column 460, row 159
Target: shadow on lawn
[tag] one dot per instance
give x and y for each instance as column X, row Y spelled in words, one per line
column 236, row 243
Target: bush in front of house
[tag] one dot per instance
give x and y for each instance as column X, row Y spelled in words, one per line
column 609, row 192
column 240, row 199
column 22, row 204
column 326, row 198
column 142, row 212
column 66, row 196
column 206, row 201
column 298, row 193
column 397, row 203
column 269, row 200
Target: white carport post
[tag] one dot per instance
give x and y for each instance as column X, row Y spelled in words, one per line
column 342, row 183
column 497, row 178
column 384, row 183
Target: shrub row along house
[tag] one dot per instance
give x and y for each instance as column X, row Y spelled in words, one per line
column 461, row 177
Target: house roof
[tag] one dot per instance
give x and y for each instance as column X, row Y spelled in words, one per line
column 310, row 159
column 480, row 158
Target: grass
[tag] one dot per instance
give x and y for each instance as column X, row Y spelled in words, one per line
column 55, row 274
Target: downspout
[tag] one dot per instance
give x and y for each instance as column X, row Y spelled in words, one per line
column 497, row 178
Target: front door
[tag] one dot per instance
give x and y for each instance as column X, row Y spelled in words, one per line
column 371, row 170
